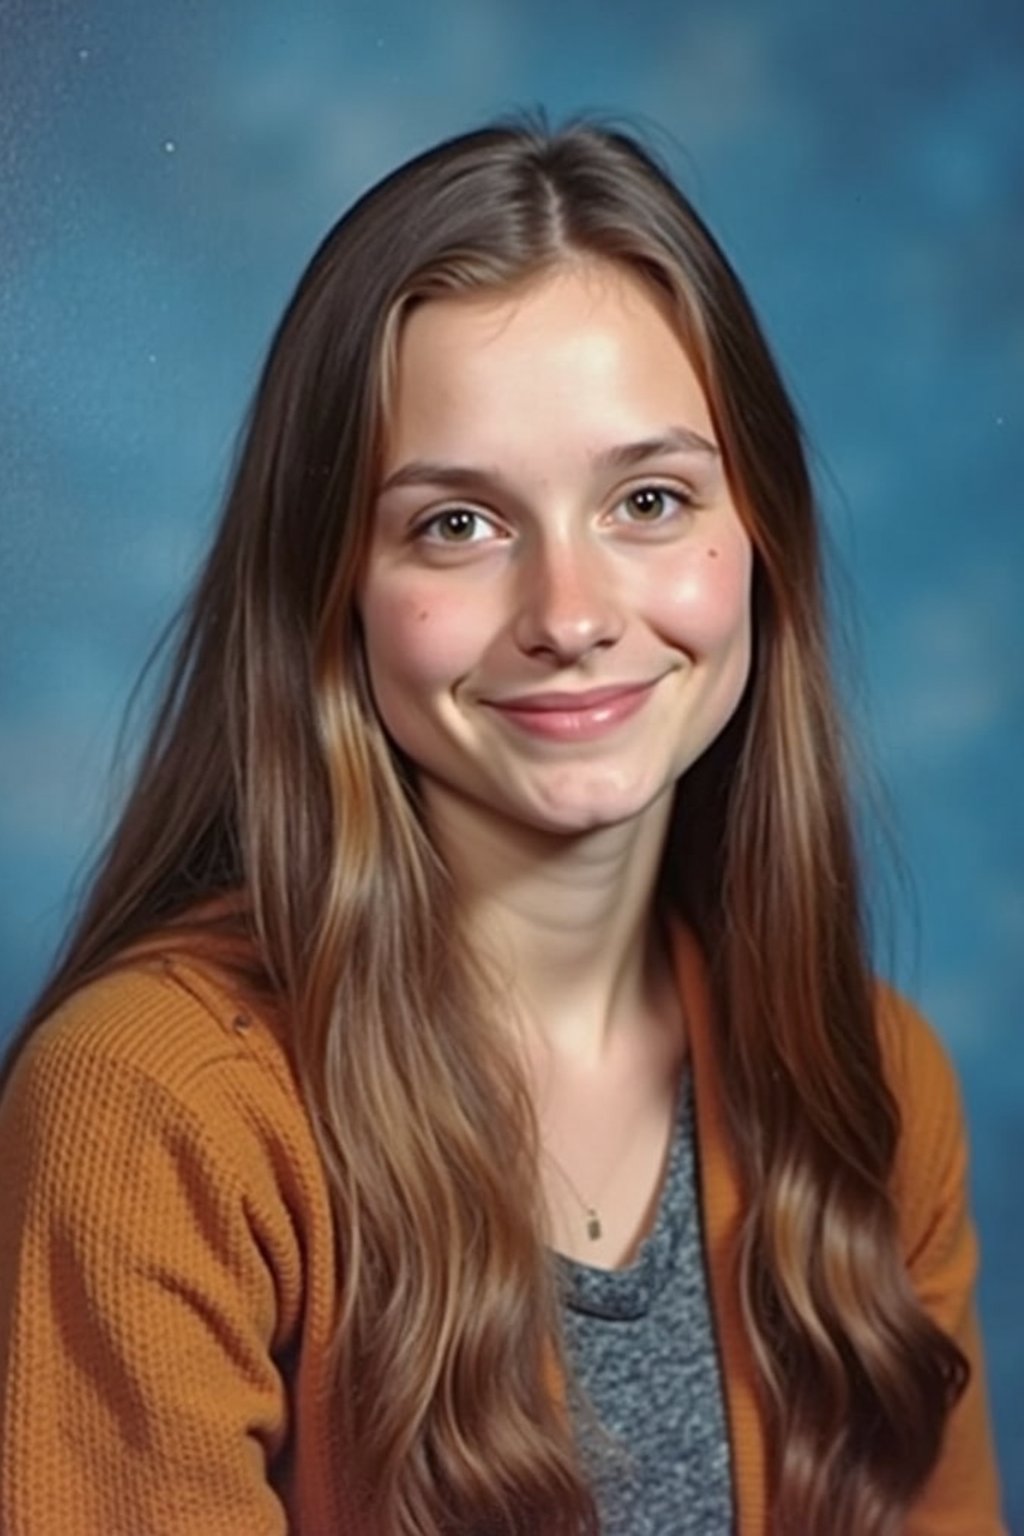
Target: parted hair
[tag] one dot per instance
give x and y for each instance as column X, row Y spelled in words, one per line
column 273, row 827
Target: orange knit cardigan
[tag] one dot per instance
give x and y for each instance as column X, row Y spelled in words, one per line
column 167, row 1272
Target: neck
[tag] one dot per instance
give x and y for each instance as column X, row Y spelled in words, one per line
column 567, row 922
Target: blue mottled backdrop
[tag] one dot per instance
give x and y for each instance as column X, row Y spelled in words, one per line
column 167, row 170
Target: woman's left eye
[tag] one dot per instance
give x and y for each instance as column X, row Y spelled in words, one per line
column 651, row 504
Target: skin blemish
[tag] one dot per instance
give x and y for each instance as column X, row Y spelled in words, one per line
column 712, row 554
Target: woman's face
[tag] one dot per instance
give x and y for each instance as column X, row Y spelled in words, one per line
column 556, row 606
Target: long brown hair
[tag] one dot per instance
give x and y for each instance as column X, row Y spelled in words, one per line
column 268, row 782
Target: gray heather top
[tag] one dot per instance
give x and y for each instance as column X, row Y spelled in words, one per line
column 640, row 1343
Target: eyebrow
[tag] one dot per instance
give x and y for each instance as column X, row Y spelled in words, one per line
column 622, row 456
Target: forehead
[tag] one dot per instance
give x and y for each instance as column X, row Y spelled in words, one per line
column 585, row 340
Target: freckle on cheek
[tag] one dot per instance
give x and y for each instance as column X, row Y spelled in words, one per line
column 712, row 554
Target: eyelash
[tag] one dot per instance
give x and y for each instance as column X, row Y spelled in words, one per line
column 427, row 530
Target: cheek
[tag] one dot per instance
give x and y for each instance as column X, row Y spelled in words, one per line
column 414, row 638
column 704, row 598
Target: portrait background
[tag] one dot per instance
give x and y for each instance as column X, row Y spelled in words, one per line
column 165, row 173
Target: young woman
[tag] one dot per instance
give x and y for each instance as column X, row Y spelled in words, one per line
column 465, row 1104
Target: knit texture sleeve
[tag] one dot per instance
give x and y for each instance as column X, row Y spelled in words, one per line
column 962, row 1497
column 141, row 1265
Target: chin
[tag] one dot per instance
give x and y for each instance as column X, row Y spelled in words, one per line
column 576, row 817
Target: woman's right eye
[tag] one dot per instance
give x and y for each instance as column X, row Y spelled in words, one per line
column 457, row 525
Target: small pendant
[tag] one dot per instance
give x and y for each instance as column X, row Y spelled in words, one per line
column 593, row 1225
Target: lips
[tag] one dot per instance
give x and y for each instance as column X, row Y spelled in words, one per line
column 574, row 716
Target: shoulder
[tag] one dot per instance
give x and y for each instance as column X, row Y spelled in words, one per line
column 167, row 1019
column 930, row 1174
column 916, row 1062
column 917, row 1066
column 161, row 1050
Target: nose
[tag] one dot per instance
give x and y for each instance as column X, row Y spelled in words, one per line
column 567, row 605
